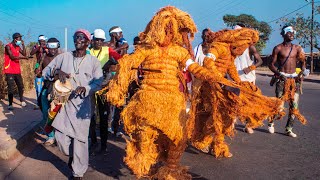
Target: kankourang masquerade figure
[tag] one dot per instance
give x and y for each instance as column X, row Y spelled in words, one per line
column 155, row 118
column 213, row 108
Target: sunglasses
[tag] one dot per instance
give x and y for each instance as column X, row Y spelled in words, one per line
column 82, row 37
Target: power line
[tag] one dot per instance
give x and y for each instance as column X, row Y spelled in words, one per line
column 24, row 16
column 223, row 10
column 25, row 21
column 291, row 12
column 203, row 12
column 213, row 11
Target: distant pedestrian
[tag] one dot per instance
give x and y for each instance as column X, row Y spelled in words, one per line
column 12, row 68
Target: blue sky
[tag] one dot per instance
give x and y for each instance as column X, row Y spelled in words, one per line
column 49, row 17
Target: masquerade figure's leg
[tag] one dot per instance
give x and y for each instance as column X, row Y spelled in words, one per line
column 219, row 147
column 142, row 152
column 172, row 168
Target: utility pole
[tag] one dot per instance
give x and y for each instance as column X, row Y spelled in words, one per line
column 311, row 41
column 65, row 39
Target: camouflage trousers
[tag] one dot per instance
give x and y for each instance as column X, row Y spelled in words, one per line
column 293, row 104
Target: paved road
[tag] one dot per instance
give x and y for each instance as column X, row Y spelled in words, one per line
column 257, row 156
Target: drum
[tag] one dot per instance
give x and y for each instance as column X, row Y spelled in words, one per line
column 61, row 92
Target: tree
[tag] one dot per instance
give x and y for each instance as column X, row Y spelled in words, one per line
column 251, row 22
column 303, row 27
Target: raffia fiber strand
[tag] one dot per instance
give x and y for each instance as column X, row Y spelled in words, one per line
column 289, row 91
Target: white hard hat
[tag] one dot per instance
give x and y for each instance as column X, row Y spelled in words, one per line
column 99, row 33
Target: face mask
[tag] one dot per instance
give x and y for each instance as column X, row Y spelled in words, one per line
column 18, row 43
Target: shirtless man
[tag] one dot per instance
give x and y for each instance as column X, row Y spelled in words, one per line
column 40, row 50
column 117, row 42
column 287, row 55
column 52, row 45
column 120, row 45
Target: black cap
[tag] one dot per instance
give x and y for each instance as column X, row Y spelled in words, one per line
column 16, row 35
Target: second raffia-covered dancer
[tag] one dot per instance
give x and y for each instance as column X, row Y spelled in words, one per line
column 213, row 109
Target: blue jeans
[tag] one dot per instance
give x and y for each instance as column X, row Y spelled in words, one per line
column 45, row 108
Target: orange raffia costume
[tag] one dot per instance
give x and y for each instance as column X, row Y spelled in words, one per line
column 213, row 108
column 155, row 118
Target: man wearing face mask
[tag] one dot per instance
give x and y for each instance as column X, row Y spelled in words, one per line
column 12, row 69
column 107, row 57
column 52, row 45
column 72, row 122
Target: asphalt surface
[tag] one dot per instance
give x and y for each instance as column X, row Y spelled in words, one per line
column 255, row 156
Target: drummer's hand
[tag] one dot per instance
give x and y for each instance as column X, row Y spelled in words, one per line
column 63, row 76
column 80, row 90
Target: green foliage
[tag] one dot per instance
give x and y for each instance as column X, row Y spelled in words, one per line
column 250, row 21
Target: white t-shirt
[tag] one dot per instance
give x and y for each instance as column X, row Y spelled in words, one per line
column 242, row 62
column 198, row 53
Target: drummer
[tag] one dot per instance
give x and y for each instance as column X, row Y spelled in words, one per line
column 105, row 55
column 72, row 121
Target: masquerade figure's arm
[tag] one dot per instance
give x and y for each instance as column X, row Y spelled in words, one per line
column 233, row 73
column 118, row 87
column 203, row 73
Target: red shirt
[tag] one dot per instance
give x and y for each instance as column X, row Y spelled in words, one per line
column 12, row 66
column 114, row 54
